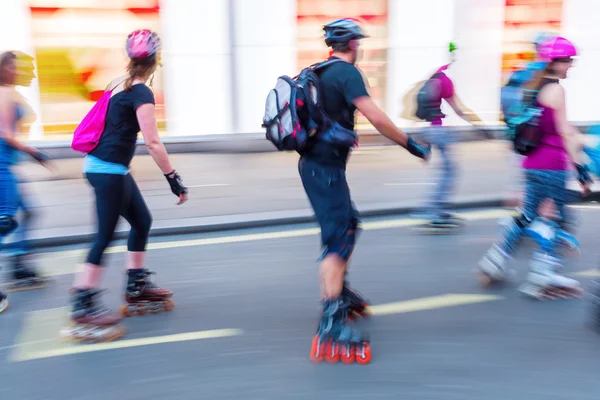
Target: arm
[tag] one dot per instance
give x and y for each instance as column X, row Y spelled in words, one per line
column 387, row 128
column 147, row 121
column 380, row 120
column 7, row 132
column 554, row 97
column 462, row 111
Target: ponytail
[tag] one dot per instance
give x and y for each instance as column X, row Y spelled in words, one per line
column 128, row 83
column 140, row 69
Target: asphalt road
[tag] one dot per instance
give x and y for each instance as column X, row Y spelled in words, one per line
column 247, row 307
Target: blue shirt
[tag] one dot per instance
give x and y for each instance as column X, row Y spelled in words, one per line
column 94, row 165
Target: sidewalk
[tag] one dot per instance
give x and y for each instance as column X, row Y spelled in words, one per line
column 234, row 191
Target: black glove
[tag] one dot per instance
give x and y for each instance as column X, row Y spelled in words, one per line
column 41, row 157
column 583, row 174
column 176, row 183
column 417, row 149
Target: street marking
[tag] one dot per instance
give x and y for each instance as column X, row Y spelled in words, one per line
column 432, row 303
column 586, row 207
column 66, row 265
column 209, row 185
column 39, row 338
column 591, row 273
column 409, row 184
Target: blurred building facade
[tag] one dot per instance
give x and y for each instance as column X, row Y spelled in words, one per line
column 221, row 57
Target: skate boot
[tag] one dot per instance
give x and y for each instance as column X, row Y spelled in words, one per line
column 358, row 305
column 443, row 222
column 543, row 282
column 24, row 277
column 492, row 267
column 3, row 302
column 143, row 296
column 337, row 338
column 90, row 322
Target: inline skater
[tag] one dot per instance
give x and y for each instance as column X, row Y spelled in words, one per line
column 511, row 94
column 106, row 167
column 322, row 168
column 440, row 87
column 11, row 113
column 546, row 168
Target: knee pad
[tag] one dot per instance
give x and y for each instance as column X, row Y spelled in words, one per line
column 8, row 224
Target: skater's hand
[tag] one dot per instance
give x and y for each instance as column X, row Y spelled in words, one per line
column 177, row 187
column 183, row 197
column 419, row 149
column 586, row 189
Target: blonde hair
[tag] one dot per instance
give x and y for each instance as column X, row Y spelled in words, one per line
column 5, row 58
column 141, row 70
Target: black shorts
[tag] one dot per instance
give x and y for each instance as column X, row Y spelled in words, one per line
column 329, row 195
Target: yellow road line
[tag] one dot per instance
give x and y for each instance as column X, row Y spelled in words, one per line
column 368, row 226
column 591, row 273
column 432, row 303
column 39, row 338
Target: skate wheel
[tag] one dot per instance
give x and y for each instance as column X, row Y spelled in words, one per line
column 114, row 333
column 317, row 350
column 332, row 352
column 126, row 311
column 141, row 309
column 3, row 305
column 363, row 354
column 169, row 305
column 348, row 353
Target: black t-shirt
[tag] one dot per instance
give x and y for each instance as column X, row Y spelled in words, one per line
column 117, row 144
column 341, row 84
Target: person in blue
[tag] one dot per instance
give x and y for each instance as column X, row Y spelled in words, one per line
column 11, row 112
column 322, row 168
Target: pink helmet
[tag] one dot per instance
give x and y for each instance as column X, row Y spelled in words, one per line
column 556, row 47
column 142, row 44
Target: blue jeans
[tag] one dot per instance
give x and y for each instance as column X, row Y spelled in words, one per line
column 539, row 186
column 442, row 139
column 11, row 201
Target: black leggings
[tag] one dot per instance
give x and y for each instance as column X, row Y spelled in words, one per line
column 118, row 195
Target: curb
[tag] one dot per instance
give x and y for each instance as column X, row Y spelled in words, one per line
column 247, row 223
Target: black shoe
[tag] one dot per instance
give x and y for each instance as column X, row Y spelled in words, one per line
column 20, row 269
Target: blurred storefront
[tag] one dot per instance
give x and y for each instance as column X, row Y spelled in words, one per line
column 222, row 57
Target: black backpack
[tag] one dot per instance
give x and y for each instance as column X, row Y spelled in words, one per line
column 429, row 102
column 293, row 110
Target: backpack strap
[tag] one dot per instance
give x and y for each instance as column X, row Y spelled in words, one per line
column 325, row 63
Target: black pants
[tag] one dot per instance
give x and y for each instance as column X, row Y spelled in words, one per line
column 118, row 195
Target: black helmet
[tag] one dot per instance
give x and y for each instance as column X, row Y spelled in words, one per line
column 342, row 31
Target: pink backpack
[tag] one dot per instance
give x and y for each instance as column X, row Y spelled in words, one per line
column 88, row 132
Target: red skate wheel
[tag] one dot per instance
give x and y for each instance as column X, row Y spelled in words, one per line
column 141, row 309
column 126, row 311
column 169, row 305
column 332, row 352
column 363, row 354
column 347, row 353
column 317, row 350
